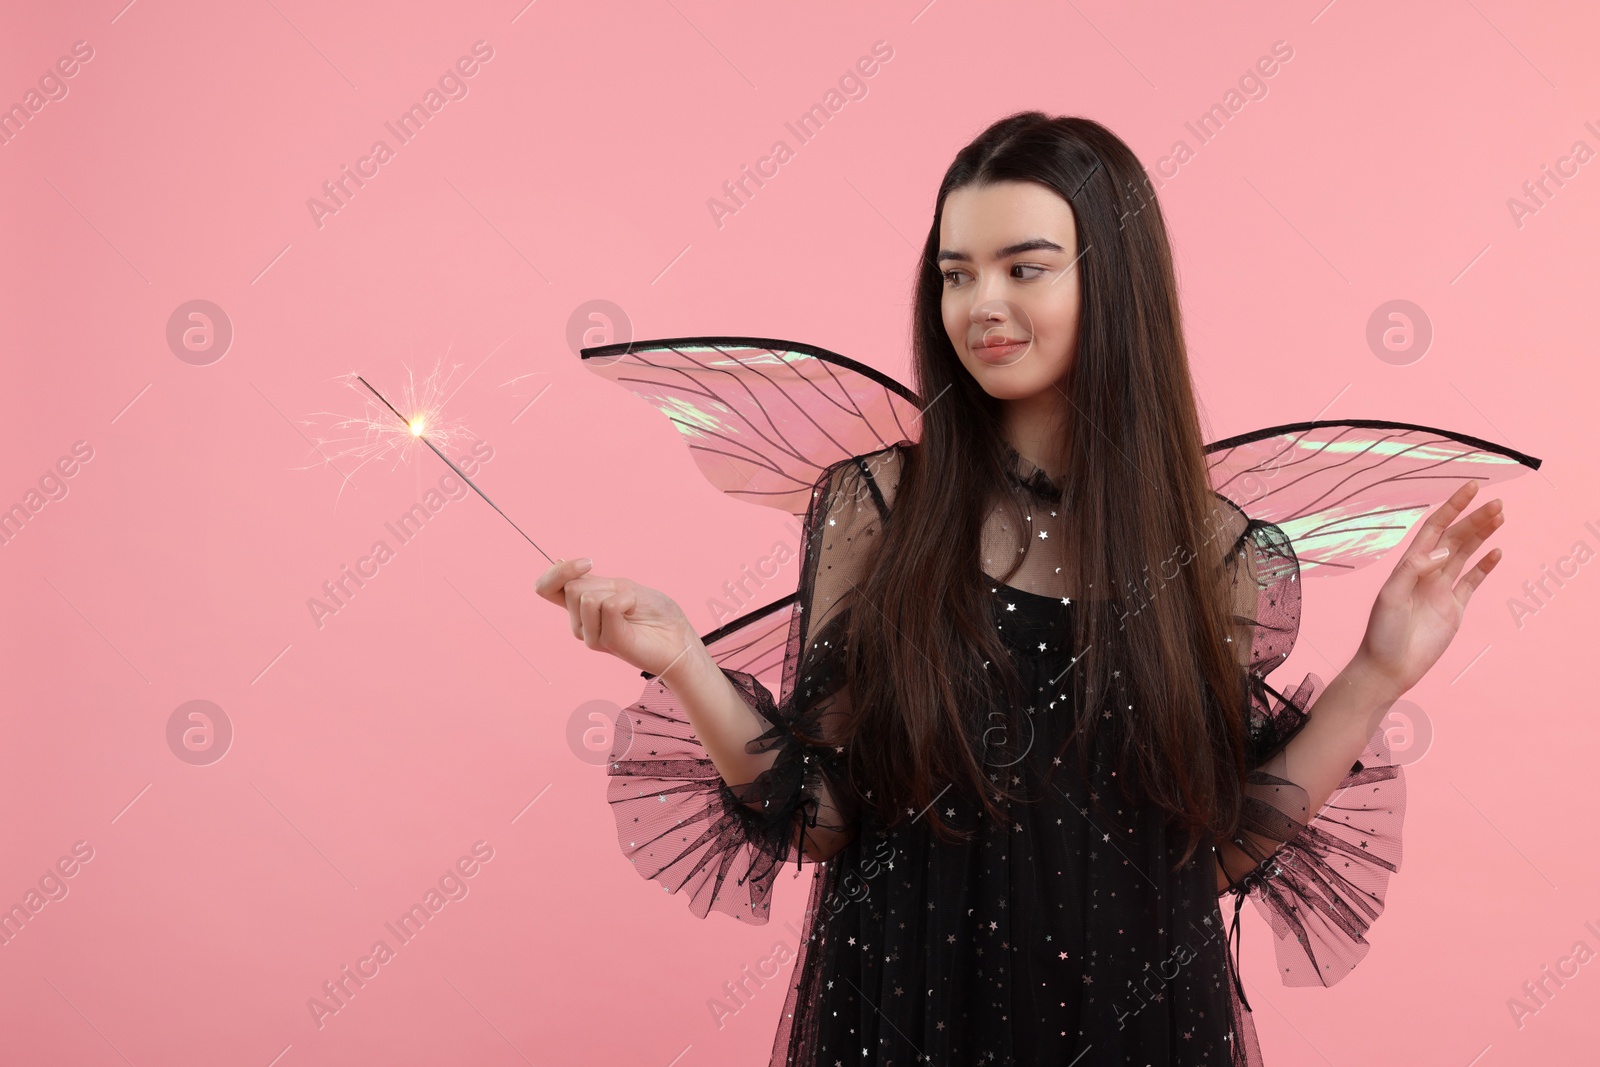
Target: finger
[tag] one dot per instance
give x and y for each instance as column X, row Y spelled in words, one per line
column 1414, row 566
column 1473, row 578
column 1468, row 535
column 1419, row 558
column 589, row 609
column 574, row 590
column 559, row 573
column 613, row 618
column 550, row 583
column 1465, row 537
column 1434, row 527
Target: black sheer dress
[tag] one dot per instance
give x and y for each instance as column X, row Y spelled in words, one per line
column 1060, row 935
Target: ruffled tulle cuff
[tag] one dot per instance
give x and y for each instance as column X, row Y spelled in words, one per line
column 680, row 824
column 1324, row 883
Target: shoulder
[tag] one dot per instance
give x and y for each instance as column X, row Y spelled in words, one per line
column 874, row 475
column 1248, row 542
column 1229, row 526
column 883, row 467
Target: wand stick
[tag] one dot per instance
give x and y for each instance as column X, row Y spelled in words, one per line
column 453, row 467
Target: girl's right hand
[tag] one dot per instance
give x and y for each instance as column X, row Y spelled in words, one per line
column 639, row 625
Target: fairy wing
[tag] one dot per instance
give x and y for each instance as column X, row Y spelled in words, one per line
column 763, row 417
column 1346, row 491
column 1327, row 498
column 770, row 422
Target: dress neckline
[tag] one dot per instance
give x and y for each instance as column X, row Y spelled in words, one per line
column 1001, row 588
column 1029, row 476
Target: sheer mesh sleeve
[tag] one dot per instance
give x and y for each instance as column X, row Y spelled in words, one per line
column 1319, row 880
column 723, row 844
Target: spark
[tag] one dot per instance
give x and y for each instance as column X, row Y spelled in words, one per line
column 387, row 430
column 380, row 432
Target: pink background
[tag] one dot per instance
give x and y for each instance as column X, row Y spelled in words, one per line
column 436, row 708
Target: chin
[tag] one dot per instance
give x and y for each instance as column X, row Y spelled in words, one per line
column 1013, row 382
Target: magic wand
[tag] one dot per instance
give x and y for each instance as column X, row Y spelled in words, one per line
column 418, row 428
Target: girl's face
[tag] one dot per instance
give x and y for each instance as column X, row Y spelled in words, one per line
column 1008, row 253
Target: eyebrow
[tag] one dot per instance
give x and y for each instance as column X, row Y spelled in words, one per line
column 1030, row 245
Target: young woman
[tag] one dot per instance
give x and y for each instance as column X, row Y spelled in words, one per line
column 1024, row 730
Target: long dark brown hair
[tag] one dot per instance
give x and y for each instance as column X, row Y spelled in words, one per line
column 1138, row 503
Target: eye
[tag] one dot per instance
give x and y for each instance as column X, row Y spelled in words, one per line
column 950, row 275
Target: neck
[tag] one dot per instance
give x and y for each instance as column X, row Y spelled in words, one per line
column 1035, row 425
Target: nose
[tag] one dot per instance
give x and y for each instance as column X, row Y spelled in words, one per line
column 992, row 312
column 1002, row 318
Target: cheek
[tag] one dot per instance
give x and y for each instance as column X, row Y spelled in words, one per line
column 955, row 326
column 1058, row 353
column 1058, row 328
column 1053, row 313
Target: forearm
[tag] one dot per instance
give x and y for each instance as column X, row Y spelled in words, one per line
column 1339, row 724
column 723, row 720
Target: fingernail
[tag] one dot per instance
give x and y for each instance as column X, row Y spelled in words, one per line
column 584, row 561
column 1438, row 553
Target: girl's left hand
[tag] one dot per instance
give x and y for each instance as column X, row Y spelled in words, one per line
column 1419, row 607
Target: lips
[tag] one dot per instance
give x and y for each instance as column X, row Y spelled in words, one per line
column 999, row 349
